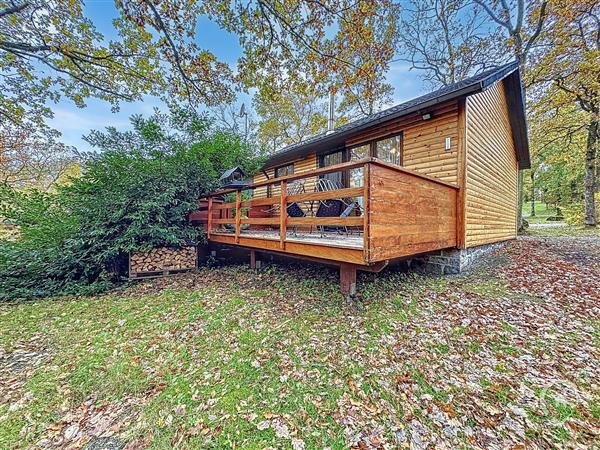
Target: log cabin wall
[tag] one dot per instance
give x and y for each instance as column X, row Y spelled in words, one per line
column 424, row 141
column 408, row 214
column 306, row 164
column 491, row 170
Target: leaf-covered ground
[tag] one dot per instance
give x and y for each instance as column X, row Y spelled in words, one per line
column 506, row 356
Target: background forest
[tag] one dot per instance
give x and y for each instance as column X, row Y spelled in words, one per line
column 74, row 214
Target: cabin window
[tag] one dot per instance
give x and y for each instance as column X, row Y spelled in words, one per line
column 333, row 180
column 356, row 176
column 390, row 149
column 360, row 152
column 282, row 171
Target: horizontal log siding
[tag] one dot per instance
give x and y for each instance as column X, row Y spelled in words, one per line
column 491, row 170
column 300, row 166
column 408, row 214
column 424, row 141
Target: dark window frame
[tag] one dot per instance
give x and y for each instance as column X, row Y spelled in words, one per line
column 374, row 142
column 276, row 175
column 345, row 154
column 277, row 168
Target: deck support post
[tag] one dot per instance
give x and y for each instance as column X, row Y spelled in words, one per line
column 348, row 279
column 254, row 262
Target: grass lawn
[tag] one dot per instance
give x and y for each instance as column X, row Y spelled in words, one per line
column 541, row 212
column 233, row 358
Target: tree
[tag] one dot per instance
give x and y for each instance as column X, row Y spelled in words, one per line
column 26, row 161
column 367, row 38
column 134, row 193
column 448, row 40
column 49, row 49
column 290, row 117
column 568, row 70
column 522, row 25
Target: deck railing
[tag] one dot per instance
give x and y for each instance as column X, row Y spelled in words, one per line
column 402, row 212
column 231, row 212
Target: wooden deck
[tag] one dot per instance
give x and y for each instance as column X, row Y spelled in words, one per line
column 400, row 213
column 329, row 239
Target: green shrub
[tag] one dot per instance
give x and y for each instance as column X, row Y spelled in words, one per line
column 575, row 213
column 133, row 195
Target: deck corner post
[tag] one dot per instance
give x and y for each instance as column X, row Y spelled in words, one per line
column 348, row 279
column 282, row 214
column 209, row 219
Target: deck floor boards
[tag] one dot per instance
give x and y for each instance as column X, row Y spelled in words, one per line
column 353, row 240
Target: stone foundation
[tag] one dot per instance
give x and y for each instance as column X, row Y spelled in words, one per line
column 451, row 261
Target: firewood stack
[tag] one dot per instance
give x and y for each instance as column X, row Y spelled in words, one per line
column 162, row 259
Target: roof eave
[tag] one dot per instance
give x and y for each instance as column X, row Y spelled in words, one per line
column 334, row 140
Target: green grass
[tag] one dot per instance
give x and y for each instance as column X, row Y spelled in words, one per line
column 566, row 231
column 224, row 360
column 542, row 212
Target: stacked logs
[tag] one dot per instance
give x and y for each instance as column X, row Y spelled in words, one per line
column 162, row 259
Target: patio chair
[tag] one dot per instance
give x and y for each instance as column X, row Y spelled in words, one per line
column 334, row 207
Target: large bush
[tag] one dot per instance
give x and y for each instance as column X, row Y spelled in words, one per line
column 134, row 194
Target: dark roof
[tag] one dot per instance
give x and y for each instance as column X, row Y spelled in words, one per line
column 466, row 87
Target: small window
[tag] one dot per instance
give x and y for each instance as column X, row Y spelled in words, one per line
column 284, row 170
column 334, row 180
column 390, row 149
column 360, row 152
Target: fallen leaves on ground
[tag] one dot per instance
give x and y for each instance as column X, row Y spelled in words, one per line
column 505, row 356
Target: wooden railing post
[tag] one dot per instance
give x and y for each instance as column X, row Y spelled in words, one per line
column 210, row 217
column 282, row 214
column 238, row 215
column 366, row 207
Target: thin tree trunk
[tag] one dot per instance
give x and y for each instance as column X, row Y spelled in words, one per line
column 520, row 199
column 590, row 173
column 532, row 175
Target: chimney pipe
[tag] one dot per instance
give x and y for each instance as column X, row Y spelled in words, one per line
column 330, row 120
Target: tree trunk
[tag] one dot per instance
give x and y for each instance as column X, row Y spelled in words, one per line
column 521, row 197
column 532, row 175
column 590, row 173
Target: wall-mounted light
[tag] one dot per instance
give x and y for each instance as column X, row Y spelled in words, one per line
column 448, row 143
column 426, row 116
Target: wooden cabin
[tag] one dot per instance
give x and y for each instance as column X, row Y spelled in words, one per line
column 435, row 174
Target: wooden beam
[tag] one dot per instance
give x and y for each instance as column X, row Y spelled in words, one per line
column 261, row 220
column 299, row 176
column 293, row 248
column 282, row 214
column 262, row 201
column 210, row 217
column 326, row 195
column 366, row 209
column 238, row 215
column 461, row 175
column 253, row 259
column 326, row 221
column 348, row 279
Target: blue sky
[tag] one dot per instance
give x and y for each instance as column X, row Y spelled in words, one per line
column 74, row 122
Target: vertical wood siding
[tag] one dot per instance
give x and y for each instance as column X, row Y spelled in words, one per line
column 491, row 170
